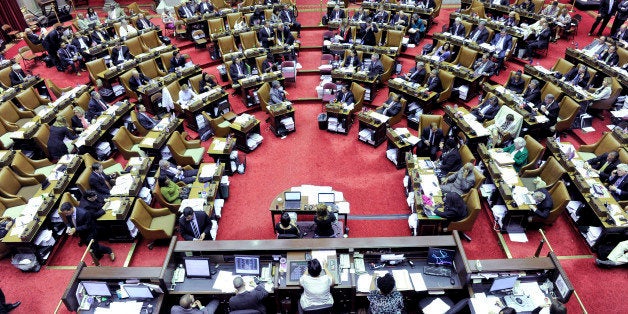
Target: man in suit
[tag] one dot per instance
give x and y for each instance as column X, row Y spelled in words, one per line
column 596, row 47
column 516, row 83
column 433, row 83
column 177, row 61
column 610, row 56
column 544, row 204
column 195, row 225
column 578, row 76
column 277, row 94
column 283, row 35
column 605, row 12
column 541, row 40
column 101, row 182
column 457, row 29
column 484, row 67
column 376, row 68
column 550, row 109
column 92, row 203
column 618, row 183
column 380, row 16
column 95, row 106
column 266, row 35
column 336, row 14
column 269, row 65
column 17, row 75
column 480, row 34
column 83, row 223
column 427, row 4
column 392, row 107
column 248, row 300
column 188, row 305
column 487, row 110
column 176, row 173
column 143, row 23
column 368, row 31
column 69, row 56
column 345, row 96
column 621, row 34
column 399, row 18
column 287, row 17
column 621, row 16
column 551, row 10
column 99, row 36
column 144, row 119
column 351, row 60
column 605, row 164
column 120, row 53
column 205, row 7
column 417, row 73
column 431, row 140
column 187, row 10
column 34, row 38
column 82, row 43
column 52, row 43
column 238, row 69
column 532, row 94
column 359, row 15
column 502, row 43
column 137, row 79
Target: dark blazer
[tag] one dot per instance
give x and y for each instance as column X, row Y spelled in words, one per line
column 599, row 161
column 144, row 24
column 552, row 114
column 95, row 207
column 76, row 123
column 284, row 36
column 205, row 7
column 94, row 109
column 482, row 36
column 182, row 13
column 506, row 45
column 249, row 300
column 542, row 40
column 618, row 36
column 34, row 38
column 352, row 61
column 336, row 15
column 611, row 59
column 125, row 53
column 135, row 82
column 204, row 85
column 345, row 97
column 584, row 79
column 544, row 207
column 417, row 76
column 76, row 43
column 204, row 226
column 97, row 183
column 324, row 227
column 287, row 16
column 516, row 86
column 453, row 213
column 265, row 35
column 176, row 62
column 85, row 224
column 97, row 39
column 233, row 71
column 376, row 68
column 369, row 35
column 52, row 42
column 67, row 55
column 56, row 147
column 146, row 121
column 345, row 34
column 438, row 136
column 622, row 10
column 604, row 7
column 398, row 17
column 490, row 112
column 450, row 161
column 380, row 17
column 434, row 84
column 532, row 95
column 622, row 191
column 393, row 109
column 15, row 79
column 458, row 30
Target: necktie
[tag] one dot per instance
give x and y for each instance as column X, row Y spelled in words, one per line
column 239, row 70
column 288, row 17
column 344, row 97
column 120, row 55
column 500, row 43
column 187, row 11
column 604, row 167
column 106, row 181
column 84, row 123
column 100, row 36
column 102, row 105
column 197, row 233
column 476, row 35
column 19, row 75
column 431, row 137
column 610, row 6
column 145, row 24
column 83, row 45
column 67, row 53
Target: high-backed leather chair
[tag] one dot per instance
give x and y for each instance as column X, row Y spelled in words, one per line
column 538, row 5
column 394, row 38
column 568, row 112
column 151, row 69
column 466, row 57
column 6, row 142
column 4, row 76
column 109, row 166
column 138, row 126
column 616, row 90
column 66, row 198
column 172, row 207
column 249, row 40
column 136, row 9
column 263, row 93
column 15, row 186
column 227, row 46
column 359, row 93
column 479, row 178
column 41, row 139
column 13, row 117
column 10, row 202
column 535, row 152
column 31, row 168
column 447, row 80
column 474, row 206
column 526, row 78
column 153, row 223
column 551, row 88
column 220, row 5
column 185, row 153
column 425, row 120
column 94, row 67
column 36, row 49
column 388, row 63
column 55, row 89
column 31, row 100
column 560, row 197
column 135, row 45
column 124, row 80
column 233, row 18
column 562, row 66
column 151, row 40
column 173, row 89
column 550, row 172
column 466, row 155
column 165, row 59
column 128, row 144
column 216, row 26
column 220, row 125
column 83, row 101
column 607, row 143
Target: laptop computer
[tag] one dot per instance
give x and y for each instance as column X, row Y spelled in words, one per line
column 293, row 200
column 503, row 284
column 327, row 198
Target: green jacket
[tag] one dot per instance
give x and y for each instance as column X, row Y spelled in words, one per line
column 521, row 157
column 170, row 193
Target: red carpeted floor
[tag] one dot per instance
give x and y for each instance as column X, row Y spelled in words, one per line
column 310, row 156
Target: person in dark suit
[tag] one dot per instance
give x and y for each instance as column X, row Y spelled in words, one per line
column 137, row 79
column 258, row 17
column 417, row 74
column 269, row 64
column 502, row 43
column 544, row 204
column 484, row 67
column 187, row 10
column 101, row 182
column 609, row 56
column 324, row 221
column 457, row 28
column 34, row 38
column 618, row 182
column 398, row 18
column 380, row 16
column 359, row 15
column 238, row 69
column 376, row 68
column 527, row 5
column 604, row 164
column 578, row 76
column 176, row 173
column 17, row 75
column 433, row 83
column 195, row 225
column 99, row 36
column 621, row 34
column 480, row 34
column 368, row 30
column 621, row 16
column 93, row 203
column 605, row 12
column 69, row 56
column 427, row 4
column 391, row 107
column 511, row 20
column 206, row 83
column 188, row 305
column 345, row 96
column 532, row 94
column 352, row 59
column 540, row 40
column 266, row 35
column 58, row 132
column 550, row 108
column 52, row 43
column 248, row 300
column 450, row 160
column 95, row 106
column 454, row 208
column 287, row 17
column 177, row 61
column 283, row 35
column 487, row 110
column 345, row 33
column 144, row 119
column 516, row 83
column 336, row 14
column 431, row 140
column 78, row 122
column 143, row 23
column 82, row 222
column 205, row 7
column 82, row 43
column 120, row 53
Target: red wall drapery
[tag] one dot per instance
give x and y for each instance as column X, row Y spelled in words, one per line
column 10, row 13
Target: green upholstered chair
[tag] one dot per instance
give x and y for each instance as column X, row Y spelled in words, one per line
column 185, row 153
column 26, row 167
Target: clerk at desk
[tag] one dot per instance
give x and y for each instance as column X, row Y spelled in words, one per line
column 247, row 300
column 188, row 305
column 544, row 204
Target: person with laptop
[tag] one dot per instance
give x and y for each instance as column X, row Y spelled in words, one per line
column 188, row 305
column 286, row 227
column 383, row 297
column 316, row 286
column 324, row 221
column 248, row 300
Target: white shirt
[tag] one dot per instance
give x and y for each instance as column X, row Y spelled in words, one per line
column 127, row 30
column 316, row 290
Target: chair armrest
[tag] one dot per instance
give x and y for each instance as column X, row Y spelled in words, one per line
column 108, row 163
column 25, row 113
column 589, row 148
column 158, row 212
column 533, row 172
column 191, row 143
column 26, row 180
column 135, row 139
column 12, row 202
column 42, row 100
column 41, row 163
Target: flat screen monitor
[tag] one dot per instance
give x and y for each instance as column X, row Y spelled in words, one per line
column 503, row 283
column 197, row 267
column 138, row 291
column 96, row 288
column 292, row 196
column 326, row 198
column 440, row 257
column 247, row 265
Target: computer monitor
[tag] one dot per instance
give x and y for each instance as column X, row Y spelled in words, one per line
column 440, row 257
column 138, row 291
column 197, row 267
column 96, row 288
column 326, row 198
column 503, row 283
column 247, row 265
column 292, row 196
column 297, row 269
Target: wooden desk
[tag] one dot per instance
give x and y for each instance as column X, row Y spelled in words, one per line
column 576, row 92
column 464, row 76
column 474, row 131
column 117, row 212
column 220, row 150
column 576, row 56
column 422, row 181
column 241, row 132
column 403, row 142
column 253, row 82
column 279, row 112
column 345, row 120
column 99, row 131
column 347, row 75
column 513, row 101
column 498, row 9
column 6, row 157
column 214, row 102
column 373, row 127
column 156, row 138
column 413, row 92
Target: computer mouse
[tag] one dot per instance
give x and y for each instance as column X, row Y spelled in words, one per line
column 519, row 300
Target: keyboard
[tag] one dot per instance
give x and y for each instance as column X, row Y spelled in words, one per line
column 293, row 205
column 344, row 261
column 437, row 271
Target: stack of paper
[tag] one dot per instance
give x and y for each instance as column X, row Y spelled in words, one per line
column 391, row 154
column 288, row 122
column 402, row 279
column 224, row 282
column 366, row 135
column 208, row 170
column 254, row 140
column 123, row 185
column 195, row 203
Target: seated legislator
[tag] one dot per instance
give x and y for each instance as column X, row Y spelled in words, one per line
column 143, row 23
column 540, row 39
column 454, row 208
column 137, row 79
column 258, row 17
column 549, row 107
column 195, row 225
column 457, row 28
column 604, row 91
column 532, row 94
column 288, row 18
column 416, row 74
column 336, row 14
column 101, row 182
column 34, row 38
column 391, row 107
column 426, row 4
column 58, row 132
column 115, row 12
column 376, row 68
column 503, row 44
column 617, row 257
column 284, row 36
column 70, row 57
column 368, row 31
column 380, row 15
column 416, row 29
column 186, row 95
column 512, row 19
column 206, row 83
column 596, row 47
column 238, row 69
column 518, row 151
column 277, row 93
column 169, row 190
column 450, row 160
column 95, row 106
column 618, row 182
column 205, row 7
column 578, row 76
column 459, row 182
column 176, row 62
column 484, row 67
column 144, row 119
column 504, row 130
column 444, row 52
column 188, row 305
column 604, row 164
column 83, row 223
column 176, row 173
column 92, row 203
column 126, row 29
column 187, row 10
column 360, row 15
column 620, row 35
column 551, row 10
column 383, row 297
column 286, row 227
column 516, row 83
column 351, row 60
column 324, row 221
column 316, row 286
column 527, row 5
column 345, row 97
column 82, row 43
column 433, row 83
column 78, row 121
column 269, row 64
column 105, row 92
column 480, row 34
column 248, row 300
column 487, row 110
column 120, row 53
column 610, row 56
column 544, row 204
column 99, row 35
column 398, row 18
column 431, row 141
column 17, row 75
column 266, row 35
